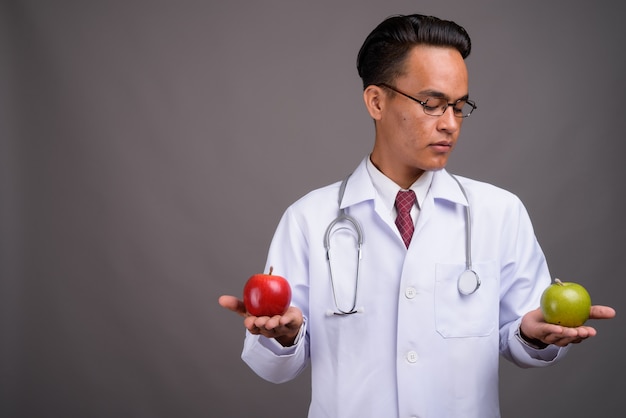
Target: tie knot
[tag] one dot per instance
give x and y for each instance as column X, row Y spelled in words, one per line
column 405, row 199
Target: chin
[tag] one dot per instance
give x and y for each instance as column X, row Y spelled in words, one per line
column 436, row 166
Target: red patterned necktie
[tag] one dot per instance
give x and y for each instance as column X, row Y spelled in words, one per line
column 404, row 202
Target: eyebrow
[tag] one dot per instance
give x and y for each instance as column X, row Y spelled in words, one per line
column 439, row 95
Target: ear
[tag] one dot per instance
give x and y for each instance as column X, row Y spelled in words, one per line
column 374, row 99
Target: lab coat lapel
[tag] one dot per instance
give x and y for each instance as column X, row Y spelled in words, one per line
column 359, row 187
column 443, row 187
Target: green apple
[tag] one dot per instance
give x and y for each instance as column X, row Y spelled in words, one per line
column 565, row 303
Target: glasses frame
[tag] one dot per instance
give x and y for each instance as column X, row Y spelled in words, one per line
column 423, row 103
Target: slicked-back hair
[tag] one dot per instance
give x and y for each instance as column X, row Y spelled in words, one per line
column 382, row 55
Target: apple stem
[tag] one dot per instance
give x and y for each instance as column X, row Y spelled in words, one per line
column 271, row 270
column 559, row 282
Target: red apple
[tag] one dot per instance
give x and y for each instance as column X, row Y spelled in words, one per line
column 565, row 303
column 266, row 295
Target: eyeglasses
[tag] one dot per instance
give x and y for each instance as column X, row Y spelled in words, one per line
column 436, row 106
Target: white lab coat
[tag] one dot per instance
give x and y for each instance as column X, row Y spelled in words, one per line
column 419, row 348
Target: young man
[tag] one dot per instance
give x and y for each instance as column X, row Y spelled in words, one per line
column 405, row 330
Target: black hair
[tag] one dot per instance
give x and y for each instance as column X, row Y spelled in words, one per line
column 382, row 55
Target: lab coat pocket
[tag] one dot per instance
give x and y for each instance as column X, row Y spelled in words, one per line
column 458, row 315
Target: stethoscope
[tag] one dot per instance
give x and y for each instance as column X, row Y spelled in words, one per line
column 467, row 283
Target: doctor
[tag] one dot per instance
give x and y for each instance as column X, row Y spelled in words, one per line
column 412, row 344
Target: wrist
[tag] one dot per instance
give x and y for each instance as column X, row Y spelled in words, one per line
column 291, row 340
column 531, row 342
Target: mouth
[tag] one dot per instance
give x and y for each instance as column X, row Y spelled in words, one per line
column 442, row 146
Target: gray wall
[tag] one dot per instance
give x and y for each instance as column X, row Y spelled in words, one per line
column 148, row 149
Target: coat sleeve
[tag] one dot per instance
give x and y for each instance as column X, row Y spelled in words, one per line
column 289, row 258
column 524, row 276
column 273, row 362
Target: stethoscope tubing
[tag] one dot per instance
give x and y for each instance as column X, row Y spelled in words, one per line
column 467, row 283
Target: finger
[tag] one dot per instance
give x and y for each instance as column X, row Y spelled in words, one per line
column 570, row 336
column 549, row 333
column 566, row 341
column 586, row 332
column 601, row 312
column 250, row 324
column 233, row 304
column 273, row 322
column 261, row 322
column 292, row 318
column 265, row 331
column 265, row 326
column 567, row 337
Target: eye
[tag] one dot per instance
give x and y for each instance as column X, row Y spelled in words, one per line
column 434, row 105
column 463, row 108
column 459, row 110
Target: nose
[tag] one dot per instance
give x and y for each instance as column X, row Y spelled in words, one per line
column 448, row 122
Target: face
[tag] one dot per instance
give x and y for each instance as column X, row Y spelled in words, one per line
column 408, row 141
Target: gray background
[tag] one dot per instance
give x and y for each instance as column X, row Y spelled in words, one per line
column 148, row 149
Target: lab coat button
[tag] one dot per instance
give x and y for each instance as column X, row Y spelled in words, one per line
column 410, row 292
column 411, row 356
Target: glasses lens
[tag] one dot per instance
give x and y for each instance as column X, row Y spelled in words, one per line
column 435, row 106
column 463, row 109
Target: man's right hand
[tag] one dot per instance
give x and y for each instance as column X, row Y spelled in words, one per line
column 283, row 328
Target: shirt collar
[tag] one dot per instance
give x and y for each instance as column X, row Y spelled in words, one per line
column 387, row 189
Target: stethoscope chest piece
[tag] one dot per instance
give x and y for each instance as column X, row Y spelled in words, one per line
column 469, row 282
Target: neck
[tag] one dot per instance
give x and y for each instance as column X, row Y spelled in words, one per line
column 401, row 175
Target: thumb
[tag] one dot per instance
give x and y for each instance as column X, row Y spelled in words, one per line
column 601, row 312
column 233, row 304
